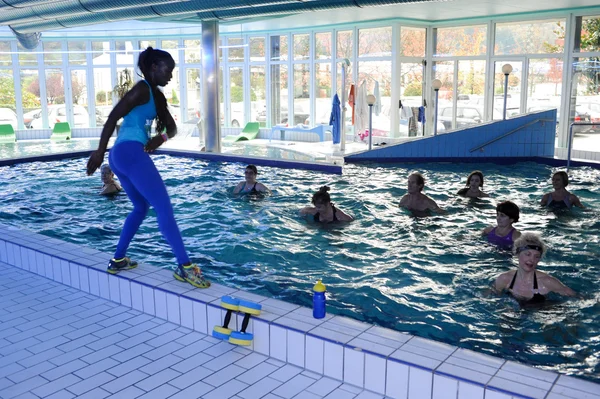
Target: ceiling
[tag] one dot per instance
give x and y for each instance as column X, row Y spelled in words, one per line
column 29, row 18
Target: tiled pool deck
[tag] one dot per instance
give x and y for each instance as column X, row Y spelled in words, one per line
column 69, row 329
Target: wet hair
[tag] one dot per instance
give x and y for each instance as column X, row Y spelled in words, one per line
column 564, row 176
column 510, row 209
column 148, row 58
column 321, row 196
column 420, row 179
column 475, row 173
column 105, row 169
column 529, row 241
column 252, row 168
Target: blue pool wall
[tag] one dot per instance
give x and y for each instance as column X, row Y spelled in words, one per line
column 533, row 141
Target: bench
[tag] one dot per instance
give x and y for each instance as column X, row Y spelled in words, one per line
column 318, row 130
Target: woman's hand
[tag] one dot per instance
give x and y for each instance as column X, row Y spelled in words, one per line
column 95, row 161
column 154, row 143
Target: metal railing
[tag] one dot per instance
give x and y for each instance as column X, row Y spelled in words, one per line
column 571, row 138
column 509, row 133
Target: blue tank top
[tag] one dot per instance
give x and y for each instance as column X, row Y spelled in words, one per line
column 133, row 127
column 502, row 241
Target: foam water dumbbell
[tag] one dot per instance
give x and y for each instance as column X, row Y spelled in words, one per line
column 232, row 305
column 249, row 309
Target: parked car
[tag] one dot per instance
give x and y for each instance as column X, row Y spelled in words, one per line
column 8, row 117
column 588, row 112
column 300, row 116
column 31, row 115
column 58, row 113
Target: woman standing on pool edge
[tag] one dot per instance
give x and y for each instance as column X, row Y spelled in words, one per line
column 137, row 173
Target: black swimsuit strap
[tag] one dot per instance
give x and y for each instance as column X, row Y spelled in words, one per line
column 535, row 283
column 512, row 283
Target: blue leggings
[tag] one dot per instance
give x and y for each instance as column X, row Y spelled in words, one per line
column 144, row 186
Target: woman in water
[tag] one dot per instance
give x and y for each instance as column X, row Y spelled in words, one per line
column 560, row 197
column 504, row 234
column 323, row 210
column 417, row 202
column 250, row 185
column 108, row 178
column 137, row 173
column 474, row 184
column 527, row 284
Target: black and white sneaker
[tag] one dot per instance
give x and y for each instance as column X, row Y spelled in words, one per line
column 115, row 266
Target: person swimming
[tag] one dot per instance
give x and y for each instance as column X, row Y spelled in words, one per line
column 417, row 202
column 560, row 197
column 526, row 284
column 474, row 184
column 250, row 185
column 504, row 234
column 108, row 178
column 323, row 210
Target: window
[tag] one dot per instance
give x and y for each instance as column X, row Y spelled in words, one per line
column 375, row 42
column 257, row 49
column 586, row 35
column 52, row 53
column 77, row 53
column 412, row 42
column 345, row 42
column 531, row 37
column 460, row 41
column 323, row 45
column 5, row 56
column 301, row 46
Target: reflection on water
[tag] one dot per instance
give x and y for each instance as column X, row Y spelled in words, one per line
column 426, row 276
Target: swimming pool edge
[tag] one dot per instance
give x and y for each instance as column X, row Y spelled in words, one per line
column 381, row 360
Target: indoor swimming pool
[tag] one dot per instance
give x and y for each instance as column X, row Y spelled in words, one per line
column 429, row 276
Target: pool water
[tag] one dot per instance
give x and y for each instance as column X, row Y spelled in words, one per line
column 429, row 276
column 29, row 148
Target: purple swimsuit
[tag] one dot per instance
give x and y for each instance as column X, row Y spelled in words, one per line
column 502, row 241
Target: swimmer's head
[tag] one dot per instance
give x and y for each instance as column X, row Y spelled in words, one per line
column 560, row 177
column 529, row 241
column 106, row 174
column 510, row 209
column 321, row 197
column 416, row 182
column 475, row 177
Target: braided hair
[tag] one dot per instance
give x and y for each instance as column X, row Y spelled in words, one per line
column 147, row 58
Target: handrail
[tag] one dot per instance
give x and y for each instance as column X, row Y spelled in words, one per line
column 509, row 133
column 571, row 138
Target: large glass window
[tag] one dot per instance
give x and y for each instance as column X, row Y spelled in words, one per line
column 102, row 94
column 544, row 84
column 411, row 91
column 258, row 94
column 301, row 94
column 323, row 94
column 345, row 43
column 77, row 53
column 5, row 56
column 192, row 51
column 531, row 37
column 172, row 93
column 585, row 103
column 100, row 53
column 586, row 34
column 279, row 94
column 444, row 71
column 461, row 41
column 375, row 42
column 279, row 48
column 323, row 45
column 301, row 46
column 236, row 49
column 172, row 47
column 30, row 92
column 412, row 41
column 378, row 76
column 513, row 94
column 27, row 57
column 257, row 49
column 81, row 117
column 194, row 95
column 124, row 52
column 7, row 96
column 52, row 53
column 236, row 97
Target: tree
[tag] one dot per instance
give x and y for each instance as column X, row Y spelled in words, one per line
column 174, row 98
column 55, row 88
column 125, row 83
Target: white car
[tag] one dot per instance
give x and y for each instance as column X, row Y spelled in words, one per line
column 8, row 117
column 58, row 113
